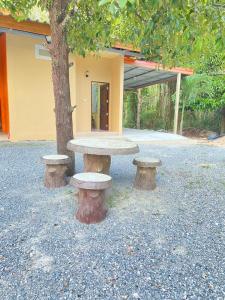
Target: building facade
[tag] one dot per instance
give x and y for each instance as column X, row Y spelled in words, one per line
column 96, row 84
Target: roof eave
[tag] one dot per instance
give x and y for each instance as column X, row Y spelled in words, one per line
column 26, row 26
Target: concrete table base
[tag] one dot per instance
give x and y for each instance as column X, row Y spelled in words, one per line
column 92, row 207
column 97, row 163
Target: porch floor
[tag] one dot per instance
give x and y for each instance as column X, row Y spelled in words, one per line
column 139, row 136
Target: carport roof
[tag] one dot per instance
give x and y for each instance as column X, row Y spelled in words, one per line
column 139, row 73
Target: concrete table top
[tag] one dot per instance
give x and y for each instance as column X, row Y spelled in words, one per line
column 91, row 181
column 56, row 159
column 103, row 146
column 147, row 162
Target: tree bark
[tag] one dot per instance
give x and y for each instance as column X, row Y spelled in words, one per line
column 139, row 108
column 59, row 51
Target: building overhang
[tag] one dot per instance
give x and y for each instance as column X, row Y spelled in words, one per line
column 8, row 22
column 140, row 73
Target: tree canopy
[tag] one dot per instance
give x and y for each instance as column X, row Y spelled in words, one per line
column 174, row 32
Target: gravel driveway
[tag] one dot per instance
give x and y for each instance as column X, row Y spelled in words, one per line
column 166, row 244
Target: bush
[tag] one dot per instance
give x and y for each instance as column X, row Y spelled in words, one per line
column 203, row 120
column 151, row 120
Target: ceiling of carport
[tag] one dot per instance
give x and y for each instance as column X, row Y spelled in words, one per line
column 137, row 76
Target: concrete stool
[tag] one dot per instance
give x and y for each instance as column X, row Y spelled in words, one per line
column 91, row 196
column 56, row 167
column 146, row 172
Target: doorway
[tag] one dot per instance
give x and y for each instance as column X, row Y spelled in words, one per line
column 99, row 106
column 4, row 112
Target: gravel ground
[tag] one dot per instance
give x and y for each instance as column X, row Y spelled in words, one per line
column 166, row 244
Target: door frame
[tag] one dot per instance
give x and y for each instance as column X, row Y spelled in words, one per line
column 4, row 84
column 103, row 82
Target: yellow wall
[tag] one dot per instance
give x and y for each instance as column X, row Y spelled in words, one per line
column 100, row 69
column 30, row 91
column 31, row 101
column 117, row 95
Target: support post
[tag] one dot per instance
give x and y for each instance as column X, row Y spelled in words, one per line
column 175, row 127
column 182, row 118
column 139, row 107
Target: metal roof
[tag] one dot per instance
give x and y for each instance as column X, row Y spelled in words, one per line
column 137, row 77
column 139, row 73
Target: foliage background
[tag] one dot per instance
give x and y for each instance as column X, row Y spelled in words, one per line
column 202, row 111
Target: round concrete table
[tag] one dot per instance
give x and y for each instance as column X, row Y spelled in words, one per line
column 97, row 152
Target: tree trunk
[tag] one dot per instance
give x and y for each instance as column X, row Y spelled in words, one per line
column 139, row 108
column 222, row 127
column 59, row 51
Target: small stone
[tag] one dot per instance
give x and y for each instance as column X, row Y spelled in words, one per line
column 136, row 296
column 130, row 250
column 210, row 285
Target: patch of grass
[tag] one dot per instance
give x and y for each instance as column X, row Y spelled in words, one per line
column 5, row 144
column 223, row 183
column 206, row 166
column 110, row 201
column 194, row 184
column 117, row 197
column 68, row 192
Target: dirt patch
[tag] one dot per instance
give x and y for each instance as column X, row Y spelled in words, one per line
column 197, row 133
column 201, row 136
column 220, row 142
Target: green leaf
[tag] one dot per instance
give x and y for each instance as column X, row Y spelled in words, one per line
column 103, row 2
column 122, row 3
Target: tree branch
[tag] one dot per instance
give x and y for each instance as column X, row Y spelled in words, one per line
column 66, row 15
column 217, row 5
column 63, row 14
column 140, row 17
column 72, row 108
column 67, row 18
column 47, row 46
